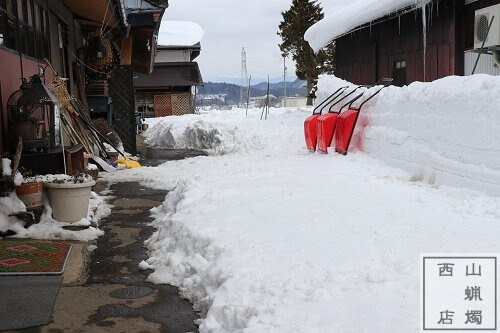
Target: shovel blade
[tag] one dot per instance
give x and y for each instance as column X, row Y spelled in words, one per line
column 345, row 128
column 310, row 132
column 326, row 127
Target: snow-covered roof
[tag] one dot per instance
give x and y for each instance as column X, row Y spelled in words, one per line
column 179, row 33
column 351, row 15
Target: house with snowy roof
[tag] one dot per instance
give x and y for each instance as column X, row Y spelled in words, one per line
column 411, row 40
column 170, row 88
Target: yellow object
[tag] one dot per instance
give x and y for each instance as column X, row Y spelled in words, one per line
column 129, row 164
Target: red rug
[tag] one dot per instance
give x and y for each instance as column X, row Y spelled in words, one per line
column 32, row 257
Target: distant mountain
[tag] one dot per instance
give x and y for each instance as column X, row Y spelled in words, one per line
column 232, row 91
column 297, row 84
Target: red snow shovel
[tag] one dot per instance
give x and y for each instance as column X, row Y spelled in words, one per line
column 311, row 123
column 327, row 123
column 346, row 122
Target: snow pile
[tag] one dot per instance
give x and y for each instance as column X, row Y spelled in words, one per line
column 276, row 239
column 6, row 169
column 9, row 205
column 350, row 16
column 179, row 33
column 217, row 132
column 280, row 241
column 446, row 132
column 48, row 228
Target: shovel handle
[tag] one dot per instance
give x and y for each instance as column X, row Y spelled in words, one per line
column 343, row 98
column 349, row 104
column 387, row 82
column 328, row 100
column 333, row 100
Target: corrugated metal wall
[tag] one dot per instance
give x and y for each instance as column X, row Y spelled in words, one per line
column 484, row 66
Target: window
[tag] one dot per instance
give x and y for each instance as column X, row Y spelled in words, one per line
column 9, row 7
column 38, row 23
column 399, row 73
column 10, row 39
column 400, row 64
column 20, row 10
column 24, row 27
column 62, row 33
column 29, row 12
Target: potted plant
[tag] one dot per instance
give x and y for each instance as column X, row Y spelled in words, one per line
column 69, row 197
column 30, row 192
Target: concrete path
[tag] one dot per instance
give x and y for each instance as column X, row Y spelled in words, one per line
column 114, row 296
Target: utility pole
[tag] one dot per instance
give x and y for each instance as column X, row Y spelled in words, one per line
column 284, row 80
column 244, row 77
column 248, row 95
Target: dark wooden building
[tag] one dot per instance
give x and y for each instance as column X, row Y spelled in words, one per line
column 61, row 31
column 393, row 46
column 170, row 88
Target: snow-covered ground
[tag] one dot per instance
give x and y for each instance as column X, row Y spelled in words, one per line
column 265, row 237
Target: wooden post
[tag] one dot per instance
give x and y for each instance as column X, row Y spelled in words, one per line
column 126, row 51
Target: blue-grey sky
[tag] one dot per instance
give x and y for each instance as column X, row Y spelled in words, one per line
column 230, row 25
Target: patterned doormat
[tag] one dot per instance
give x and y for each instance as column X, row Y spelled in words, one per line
column 32, row 257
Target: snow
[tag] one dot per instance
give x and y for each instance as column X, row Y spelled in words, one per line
column 351, row 15
column 49, row 228
column 179, row 33
column 446, row 132
column 92, row 166
column 6, row 169
column 9, row 205
column 265, row 237
column 217, row 132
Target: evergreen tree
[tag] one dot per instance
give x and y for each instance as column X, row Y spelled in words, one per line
column 301, row 15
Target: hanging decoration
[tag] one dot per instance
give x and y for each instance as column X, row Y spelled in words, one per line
column 99, row 51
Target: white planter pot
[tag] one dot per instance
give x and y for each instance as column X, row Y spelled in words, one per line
column 69, row 201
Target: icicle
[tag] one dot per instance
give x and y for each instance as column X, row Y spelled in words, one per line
column 424, row 31
column 370, row 28
column 430, row 14
column 399, row 24
column 437, row 9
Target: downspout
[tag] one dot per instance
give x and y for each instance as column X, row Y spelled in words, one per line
column 496, row 58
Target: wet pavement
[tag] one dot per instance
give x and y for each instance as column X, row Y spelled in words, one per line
column 114, row 296
column 156, row 156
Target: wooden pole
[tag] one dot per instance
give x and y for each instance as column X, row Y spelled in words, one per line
column 248, row 94
column 62, row 145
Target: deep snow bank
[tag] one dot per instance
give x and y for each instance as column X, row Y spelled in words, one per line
column 446, row 132
column 218, row 132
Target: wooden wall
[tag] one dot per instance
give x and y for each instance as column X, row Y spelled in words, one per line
column 10, row 81
column 367, row 55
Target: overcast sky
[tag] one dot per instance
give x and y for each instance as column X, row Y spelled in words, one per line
column 230, row 25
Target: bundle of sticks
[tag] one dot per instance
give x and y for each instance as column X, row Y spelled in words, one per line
column 77, row 124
